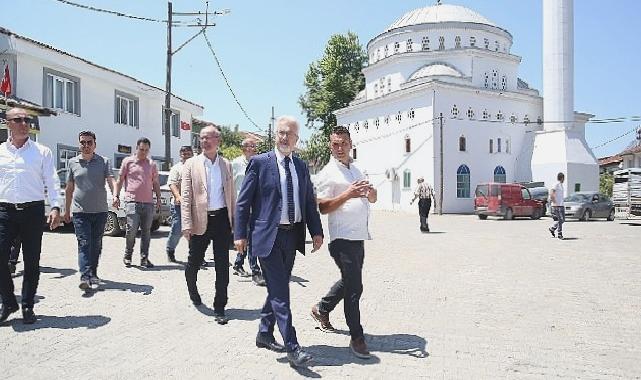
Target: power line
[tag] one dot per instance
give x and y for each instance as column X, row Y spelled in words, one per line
column 115, row 13
column 233, row 94
column 614, row 139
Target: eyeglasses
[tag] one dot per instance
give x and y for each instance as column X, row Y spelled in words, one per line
column 21, row 120
column 283, row 134
column 86, row 143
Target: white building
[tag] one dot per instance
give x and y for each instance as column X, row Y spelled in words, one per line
column 86, row 96
column 448, row 61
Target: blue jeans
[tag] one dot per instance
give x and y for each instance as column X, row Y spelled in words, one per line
column 89, row 230
column 176, row 232
column 559, row 212
column 138, row 215
column 253, row 260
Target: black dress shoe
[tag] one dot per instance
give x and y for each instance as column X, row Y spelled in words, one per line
column 220, row 318
column 195, row 299
column 298, row 357
column 28, row 317
column 7, row 311
column 269, row 343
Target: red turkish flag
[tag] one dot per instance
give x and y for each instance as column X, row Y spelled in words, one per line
column 185, row 126
column 5, row 86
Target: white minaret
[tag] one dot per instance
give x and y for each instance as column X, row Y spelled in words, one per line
column 561, row 146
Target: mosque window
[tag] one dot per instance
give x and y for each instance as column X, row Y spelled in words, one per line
column 455, row 111
column 487, row 80
column 386, row 119
column 425, row 43
column 389, row 84
column 496, row 46
column 410, row 113
column 486, row 43
column 539, row 121
column 408, row 45
column 499, row 174
column 378, row 52
column 366, row 124
column 397, row 46
column 470, row 113
column 491, row 146
column 499, row 116
column 526, row 120
column 381, row 83
column 356, row 126
column 386, row 50
column 498, row 145
column 462, row 144
column 463, row 182
column 408, row 144
column 495, row 79
column 441, row 43
column 507, row 145
column 503, row 82
column 407, row 179
column 375, row 90
column 473, row 41
column 399, row 116
column 457, row 42
column 513, row 119
column 486, row 115
column 377, row 122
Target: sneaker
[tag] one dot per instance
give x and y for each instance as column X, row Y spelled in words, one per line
column 258, row 280
column 560, row 236
column 85, row 284
column 359, row 348
column 240, row 271
column 323, row 320
column 144, row 262
column 171, row 257
column 552, row 231
column 127, row 261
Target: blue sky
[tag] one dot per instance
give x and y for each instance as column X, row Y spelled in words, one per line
column 266, row 47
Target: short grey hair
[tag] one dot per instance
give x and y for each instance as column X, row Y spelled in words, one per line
column 286, row 119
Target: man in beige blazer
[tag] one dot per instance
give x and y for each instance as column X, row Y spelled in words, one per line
column 208, row 202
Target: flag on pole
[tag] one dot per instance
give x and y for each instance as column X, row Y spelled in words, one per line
column 5, row 86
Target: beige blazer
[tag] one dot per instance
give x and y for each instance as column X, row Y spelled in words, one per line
column 194, row 193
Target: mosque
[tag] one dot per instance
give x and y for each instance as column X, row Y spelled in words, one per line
column 443, row 101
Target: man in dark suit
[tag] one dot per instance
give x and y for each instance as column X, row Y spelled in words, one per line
column 276, row 201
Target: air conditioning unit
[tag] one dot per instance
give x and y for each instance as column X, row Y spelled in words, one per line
column 391, row 174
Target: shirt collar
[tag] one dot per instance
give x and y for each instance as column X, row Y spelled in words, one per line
column 280, row 157
column 27, row 144
column 342, row 165
column 207, row 161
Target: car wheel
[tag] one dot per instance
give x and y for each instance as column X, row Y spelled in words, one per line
column 587, row 214
column 536, row 214
column 155, row 225
column 611, row 215
column 482, row 217
column 509, row 214
column 112, row 227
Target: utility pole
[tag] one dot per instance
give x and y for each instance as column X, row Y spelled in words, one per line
column 270, row 136
column 441, row 187
column 170, row 24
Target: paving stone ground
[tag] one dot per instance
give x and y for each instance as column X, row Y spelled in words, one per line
column 471, row 300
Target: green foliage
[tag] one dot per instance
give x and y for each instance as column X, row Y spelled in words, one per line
column 316, row 151
column 230, row 152
column 606, row 182
column 264, row 146
column 331, row 82
column 230, row 143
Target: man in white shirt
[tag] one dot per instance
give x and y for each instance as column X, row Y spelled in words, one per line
column 26, row 169
column 558, row 207
column 175, row 176
column 345, row 194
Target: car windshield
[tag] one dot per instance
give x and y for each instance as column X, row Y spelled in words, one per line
column 481, row 190
column 577, row 198
column 162, row 178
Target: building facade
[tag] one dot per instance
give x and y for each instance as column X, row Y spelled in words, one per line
column 86, row 96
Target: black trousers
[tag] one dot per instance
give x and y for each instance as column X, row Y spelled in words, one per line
column 28, row 224
column 348, row 256
column 219, row 232
column 424, row 205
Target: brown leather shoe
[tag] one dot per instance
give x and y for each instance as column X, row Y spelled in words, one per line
column 359, row 348
column 322, row 319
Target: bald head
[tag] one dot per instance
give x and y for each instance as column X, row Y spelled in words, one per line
column 16, row 112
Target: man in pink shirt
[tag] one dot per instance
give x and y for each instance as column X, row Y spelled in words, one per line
column 139, row 176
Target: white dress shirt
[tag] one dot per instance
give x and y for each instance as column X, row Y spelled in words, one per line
column 351, row 220
column 284, row 217
column 215, row 191
column 25, row 173
column 558, row 195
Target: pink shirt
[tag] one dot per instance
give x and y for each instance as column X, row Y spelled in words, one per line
column 137, row 177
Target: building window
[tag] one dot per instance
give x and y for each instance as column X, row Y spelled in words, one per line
column 408, row 45
column 366, row 124
column 65, row 153
column 486, row 43
column 513, row 119
column 504, row 82
column 389, row 84
column 61, row 91
column 495, row 79
column 499, row 116
column 457, row 42
column 375, row 89
column 507, row 146
column 397, row 46
column 496, row 46
column 486, row 115
column 463, row 182
column 174, row 122
column 399, row 116
column 499, row 174
column 357, row 126
column 386, row 49
column 407, row 179
column 498, row 145
column 354, row 153
column 487, row 80
column 408, row 144
column 441, row 43
column 126, row 109
column 526, row 120
column 539, row 121
column 473, row 41
column 425, row 43
column 470, row 113
column 377, row 122
column 462, row 144
column 454, row 111
column 491, row 146
column 410, row 113
column 387, row 119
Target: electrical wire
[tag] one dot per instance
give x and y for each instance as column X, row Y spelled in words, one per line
column 115, row 13
column 614, row 139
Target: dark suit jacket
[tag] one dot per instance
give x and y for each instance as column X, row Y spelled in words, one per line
column 259, row 204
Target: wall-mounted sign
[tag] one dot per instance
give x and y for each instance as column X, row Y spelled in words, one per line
column 124, row 149
column 185, row 126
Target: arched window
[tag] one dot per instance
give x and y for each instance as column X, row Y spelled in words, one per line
column 455, row 111
column 499, row 116
column 473, row 41
column 408, row 45
column 470, row 113
column 457, row 42
column 425, row 43
column 441, row 43
column 389, row 84
column 375, row 89
column 462, row 144
column 407, row 178
column 495, row 79
column 408, row 144
column 486, row 115
column 513, row 119
column 399, row 116
column 486, row 43
column 386, row 51
column 526, row 120
column 499, row 174
column 378, row 53
column 387, row 119
column 491, row 146
column 366, row 124
column 507, row 146
column 496, row 46
column 410, row 113
column 463, row 182
column 377, row 122
column 397, row 46
column 504, row 82
column 487, row 80
column 356, row 126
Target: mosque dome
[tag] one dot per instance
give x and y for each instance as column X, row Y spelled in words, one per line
column 435, row 69
column 439, row 13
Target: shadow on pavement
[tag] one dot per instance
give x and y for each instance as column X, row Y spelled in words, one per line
column 632, row 224
column 156, row 267
column 232, row 314
column 123, row 286
column 302, row 371
column 62, row 272
column 570, row 238
column 300, row 281
column 64, row 323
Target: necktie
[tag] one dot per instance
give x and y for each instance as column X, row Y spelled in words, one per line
column 290, row 191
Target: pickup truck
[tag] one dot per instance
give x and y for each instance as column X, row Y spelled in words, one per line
column 626, row 192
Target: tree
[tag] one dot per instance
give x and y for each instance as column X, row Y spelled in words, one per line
column 230, row 143
column 606, row 182
column 331, row 82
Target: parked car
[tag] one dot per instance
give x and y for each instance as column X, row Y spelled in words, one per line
column 508, row 200
column 588, row 204
column 116, row 218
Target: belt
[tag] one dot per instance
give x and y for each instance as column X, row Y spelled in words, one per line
column 287, row 227
column 21, row 206
column 220, row 211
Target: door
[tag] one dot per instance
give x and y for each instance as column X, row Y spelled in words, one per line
column 527, row 204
